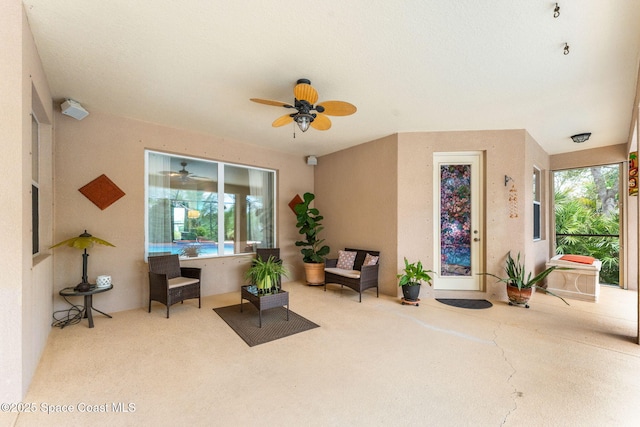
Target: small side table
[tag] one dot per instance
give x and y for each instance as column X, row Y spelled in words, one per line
column 88, row 299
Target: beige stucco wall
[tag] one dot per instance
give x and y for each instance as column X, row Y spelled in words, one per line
column 356, row 192
column 106, row 144
column 25, row 282
column 589, row 157
column 380, row 195
column 504, row 154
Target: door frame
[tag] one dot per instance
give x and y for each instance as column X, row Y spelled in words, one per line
column 472, row 282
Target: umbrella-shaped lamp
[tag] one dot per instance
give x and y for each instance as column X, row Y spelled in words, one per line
column 83, row 242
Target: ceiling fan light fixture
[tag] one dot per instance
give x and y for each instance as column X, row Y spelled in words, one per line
column 303, row 121
column 581, row 137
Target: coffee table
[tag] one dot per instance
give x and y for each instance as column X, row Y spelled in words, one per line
column 264, row 302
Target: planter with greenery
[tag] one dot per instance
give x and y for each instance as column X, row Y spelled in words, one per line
column 410, row 281
column 520, row 285
column 265, row 274
column 190, row 250
column 313, row 251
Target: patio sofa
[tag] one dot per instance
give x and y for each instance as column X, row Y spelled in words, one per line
column 350, row 270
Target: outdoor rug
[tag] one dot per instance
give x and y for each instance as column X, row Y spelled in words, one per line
column 466, row 303
column 274, row 323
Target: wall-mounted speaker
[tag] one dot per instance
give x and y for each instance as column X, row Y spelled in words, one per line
column 312, row 160
column 73, row 109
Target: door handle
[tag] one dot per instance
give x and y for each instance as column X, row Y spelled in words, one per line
column 476, row 239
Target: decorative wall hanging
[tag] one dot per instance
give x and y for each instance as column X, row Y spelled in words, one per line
column 633, row 173
column 294, row 202
column 102, row 192
column 513, row 202
column 455, row 220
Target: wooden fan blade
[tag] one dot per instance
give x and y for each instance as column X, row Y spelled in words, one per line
column 306, row 92
column 321, row 122
column 281, row 121
column 338, row 108
column 199, row 178
column 270, row 102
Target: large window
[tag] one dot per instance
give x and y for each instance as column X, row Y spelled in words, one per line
column 35, row 186
column 537, row 217
column 201, row 208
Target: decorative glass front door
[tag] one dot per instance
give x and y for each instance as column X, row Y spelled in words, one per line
column 457, row 220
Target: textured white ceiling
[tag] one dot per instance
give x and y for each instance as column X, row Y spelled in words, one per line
column 409, row 66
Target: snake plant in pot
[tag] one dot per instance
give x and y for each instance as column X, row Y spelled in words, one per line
column 520, row 285
column 410, row 281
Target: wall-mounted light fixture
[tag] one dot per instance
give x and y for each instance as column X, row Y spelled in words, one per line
column 581, row 137
column 566, row 49
column 556, row 11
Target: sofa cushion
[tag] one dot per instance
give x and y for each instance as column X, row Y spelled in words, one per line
column 353, row 274
column 370, row 259
column 582, row 259
column 346, row 260
column 181, row 281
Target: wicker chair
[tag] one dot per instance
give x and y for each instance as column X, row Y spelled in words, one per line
column 265, row 253
column 169, row 283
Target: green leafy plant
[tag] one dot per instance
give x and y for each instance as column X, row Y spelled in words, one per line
column 309, row 225
column 576, row 218
column 265, row 274
column 414, row 274
column 190, row 250
column 517, row 276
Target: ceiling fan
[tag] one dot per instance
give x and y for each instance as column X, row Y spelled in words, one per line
column 305, row 98
column 184, row 175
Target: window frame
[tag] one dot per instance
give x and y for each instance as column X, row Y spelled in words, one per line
column 219, row 167
column 35, row 185
column 537, row 204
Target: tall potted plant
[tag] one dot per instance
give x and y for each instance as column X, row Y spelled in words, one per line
column 520, row 285
column 313, row 251
column 410, row 281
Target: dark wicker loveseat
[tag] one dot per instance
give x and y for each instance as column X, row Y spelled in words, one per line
column 358, row 279
column 169, row 283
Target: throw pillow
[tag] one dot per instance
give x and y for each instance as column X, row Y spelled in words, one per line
column 346, row 260
column 370, row 260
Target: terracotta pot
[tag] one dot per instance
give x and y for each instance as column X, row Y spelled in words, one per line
column 519, row 296
column 314, row 273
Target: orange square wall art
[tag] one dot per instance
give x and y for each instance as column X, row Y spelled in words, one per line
column 102, row 192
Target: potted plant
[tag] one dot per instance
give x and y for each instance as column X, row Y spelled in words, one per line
column 265, row 274
column 190, row 250
column 410, row 281
column 520, row 285
column 313, row 251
